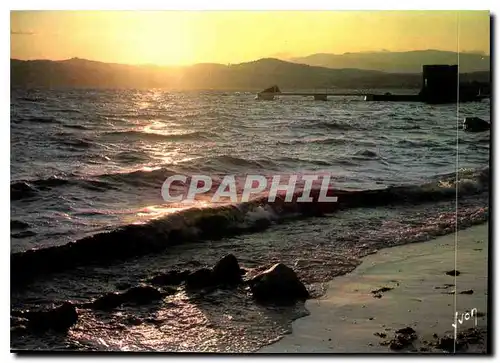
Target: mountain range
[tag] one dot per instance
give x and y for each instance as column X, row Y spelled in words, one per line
column 398, row 62
column 363, row 71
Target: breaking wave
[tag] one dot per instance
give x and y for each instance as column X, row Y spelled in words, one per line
column 215, row 222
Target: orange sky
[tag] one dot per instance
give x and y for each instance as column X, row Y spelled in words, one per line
column 175, row 37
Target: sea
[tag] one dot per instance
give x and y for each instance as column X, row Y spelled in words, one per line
column 88, row 217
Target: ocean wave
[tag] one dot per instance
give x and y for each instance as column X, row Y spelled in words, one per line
column 406, row 127
column 21, row 189
column 76, row 127
column 139, row 177
column 132, row 156
column 76, row 143
column 67, row 110
column 223, row 163
column 133, row 134
column 420, row 143
column 216, row 222
column 367, row 154
column 32, row 99
column 19, row 225
column 319, row 141
column 289, row 159
column 330, row 125
column 42, row 119
column 411, row 118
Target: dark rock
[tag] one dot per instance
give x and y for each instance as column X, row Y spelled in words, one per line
column 406, row 331
column 403, row 338
column 470, row 336
column 378, row 293
column 381, row 335
column 58, row 319
column 199, row 279
column 383, row 289
column 467, row 292
column 137, row 295
column 123, row 285
column 108, row 301
column 278, row 284
column 142, row 295
column 464, row 338
column 453, row 273
column 475, row 124
column 445, row 286
column 396, row 344
column 170, row 278
column 447, row 343
column 243, row 271
column 227, row 271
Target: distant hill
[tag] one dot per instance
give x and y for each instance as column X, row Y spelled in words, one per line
column 256, row 75
column 397, row 62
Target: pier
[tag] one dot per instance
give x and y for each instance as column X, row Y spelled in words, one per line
column 318, row 96
column 269, row 96
column 439, row 86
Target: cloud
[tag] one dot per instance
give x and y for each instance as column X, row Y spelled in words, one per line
column 12, row 32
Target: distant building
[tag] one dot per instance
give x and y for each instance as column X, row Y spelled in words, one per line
column 439, row 83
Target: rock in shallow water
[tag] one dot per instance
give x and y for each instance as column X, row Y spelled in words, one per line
column 137, row 295
column 279, row 284
column 142, row 294
column 199, row 279
column 227, row 271
column 403, row 338
column 108, row 301
column 475, row 124
column 173, row 277
column 58, row 319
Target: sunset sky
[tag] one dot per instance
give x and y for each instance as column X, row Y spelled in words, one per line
column 174, row 37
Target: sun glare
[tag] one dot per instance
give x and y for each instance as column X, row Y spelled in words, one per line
column 149, row 37
column 159, row 40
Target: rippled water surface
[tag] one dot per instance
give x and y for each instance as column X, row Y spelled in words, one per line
column 95, row 159
column 85, row 162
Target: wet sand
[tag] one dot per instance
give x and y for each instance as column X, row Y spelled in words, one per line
column 347, row 317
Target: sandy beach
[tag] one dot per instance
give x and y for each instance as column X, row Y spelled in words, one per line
column 353, row 317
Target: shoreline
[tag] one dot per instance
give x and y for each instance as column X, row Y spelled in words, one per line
column 416, row 292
